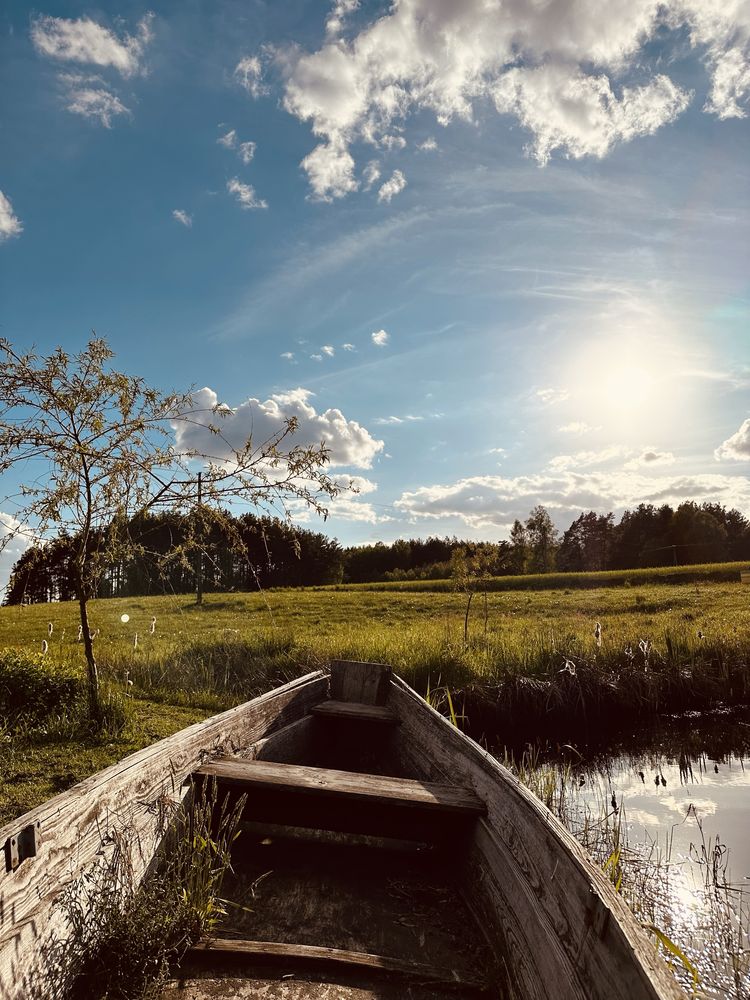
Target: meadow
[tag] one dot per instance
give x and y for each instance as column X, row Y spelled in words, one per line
column 534, row 663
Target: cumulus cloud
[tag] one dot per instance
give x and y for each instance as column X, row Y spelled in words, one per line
column 737, row 446
column 246, row 151
column 183, row 217
column 339, row 12
column 428, row 146
column 287, row 356
column 484, row 502
column 580, row 114
column 649, row 458
column 249, row 74
column 380, row 338
column 371, row 174
column 245, row 194
column 350, row 443
column 228, row 140
column 330, row 170
column 85, row 41
column 348, row 347
column 328, row 350
column 14, row 540
column 577, row 74
column 393, row 186
column 10, row 224
column 91, row 98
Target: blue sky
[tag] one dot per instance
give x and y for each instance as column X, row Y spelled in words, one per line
column 495, row 254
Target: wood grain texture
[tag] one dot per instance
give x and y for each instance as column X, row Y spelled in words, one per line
column 372, row 789
column 380, row 714
column 366, row 683
column 567, row 933
column 289, row 953
column 346, row 801
column 77, row 825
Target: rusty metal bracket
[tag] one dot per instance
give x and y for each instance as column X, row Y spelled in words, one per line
column 25, row 844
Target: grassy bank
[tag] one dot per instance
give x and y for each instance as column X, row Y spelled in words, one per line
column 532, row 663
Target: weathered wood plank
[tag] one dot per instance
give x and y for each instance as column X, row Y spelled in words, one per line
column 355, row 712
column 216, row 948
column 366, row 683
column 570, row 934
column 376, row 789
column 347, row 801
column 75, row 826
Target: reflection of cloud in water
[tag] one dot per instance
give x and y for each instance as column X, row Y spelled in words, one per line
column 641, row 816
column 702, row 807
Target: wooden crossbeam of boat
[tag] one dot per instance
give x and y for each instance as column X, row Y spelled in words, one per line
column 355, row 712
column 328, row 799
column 301, row 954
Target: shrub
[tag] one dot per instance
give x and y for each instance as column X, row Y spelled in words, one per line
column 32, row 689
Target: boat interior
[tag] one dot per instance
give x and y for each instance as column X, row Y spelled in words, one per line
column 348, row 878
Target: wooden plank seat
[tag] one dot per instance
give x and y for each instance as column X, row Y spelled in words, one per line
column 304, row 954
column 349, row 711
column 324, row 799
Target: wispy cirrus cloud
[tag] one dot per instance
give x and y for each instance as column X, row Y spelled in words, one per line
column 181, row 216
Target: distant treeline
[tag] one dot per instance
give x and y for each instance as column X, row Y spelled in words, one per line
column 646, row 537
column 248, row 552
column 234, row 553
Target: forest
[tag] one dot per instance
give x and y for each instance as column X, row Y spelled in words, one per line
column 248, row 553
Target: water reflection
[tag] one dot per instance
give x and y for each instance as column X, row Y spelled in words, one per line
column 681, row 797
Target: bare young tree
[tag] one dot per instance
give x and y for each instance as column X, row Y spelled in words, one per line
column 93, row 448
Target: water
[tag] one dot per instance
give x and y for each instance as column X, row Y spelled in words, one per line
column 680, row 795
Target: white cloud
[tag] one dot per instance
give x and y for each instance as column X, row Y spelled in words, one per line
column 393, row 186
column 552, row 394
column 249, row 74
column 580, row 114
column 737, row 446
column 287, row 356
column 722, row 28
column 562, row 68
column 429, row 145
column 316, row 357
column 330, row 170
column 585, row 459
column 85, row 41
column 371, row 174
column 380, row 338
column 10, row 224
column 576, row 427
column 339, row 12
column 245, row 194
column 246, row 151
column 391, row 142
column 349, row 442
column 328, row 350
column 348, row 347
column 91, row 98
column 182, row 216
column 229, row 140
column 14, row 540
column 649, row 458
column 495, row 501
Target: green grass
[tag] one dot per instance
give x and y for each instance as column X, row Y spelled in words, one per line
column 531, row 665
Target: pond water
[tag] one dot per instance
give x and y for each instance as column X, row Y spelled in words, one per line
column 678, row 796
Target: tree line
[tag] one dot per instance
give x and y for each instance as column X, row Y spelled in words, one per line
column 250, row 552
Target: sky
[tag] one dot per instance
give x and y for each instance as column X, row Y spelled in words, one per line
column 495, row 254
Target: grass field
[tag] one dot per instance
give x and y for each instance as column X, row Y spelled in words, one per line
column 532, row 663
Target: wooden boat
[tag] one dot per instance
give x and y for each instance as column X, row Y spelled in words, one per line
column 405, row 860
